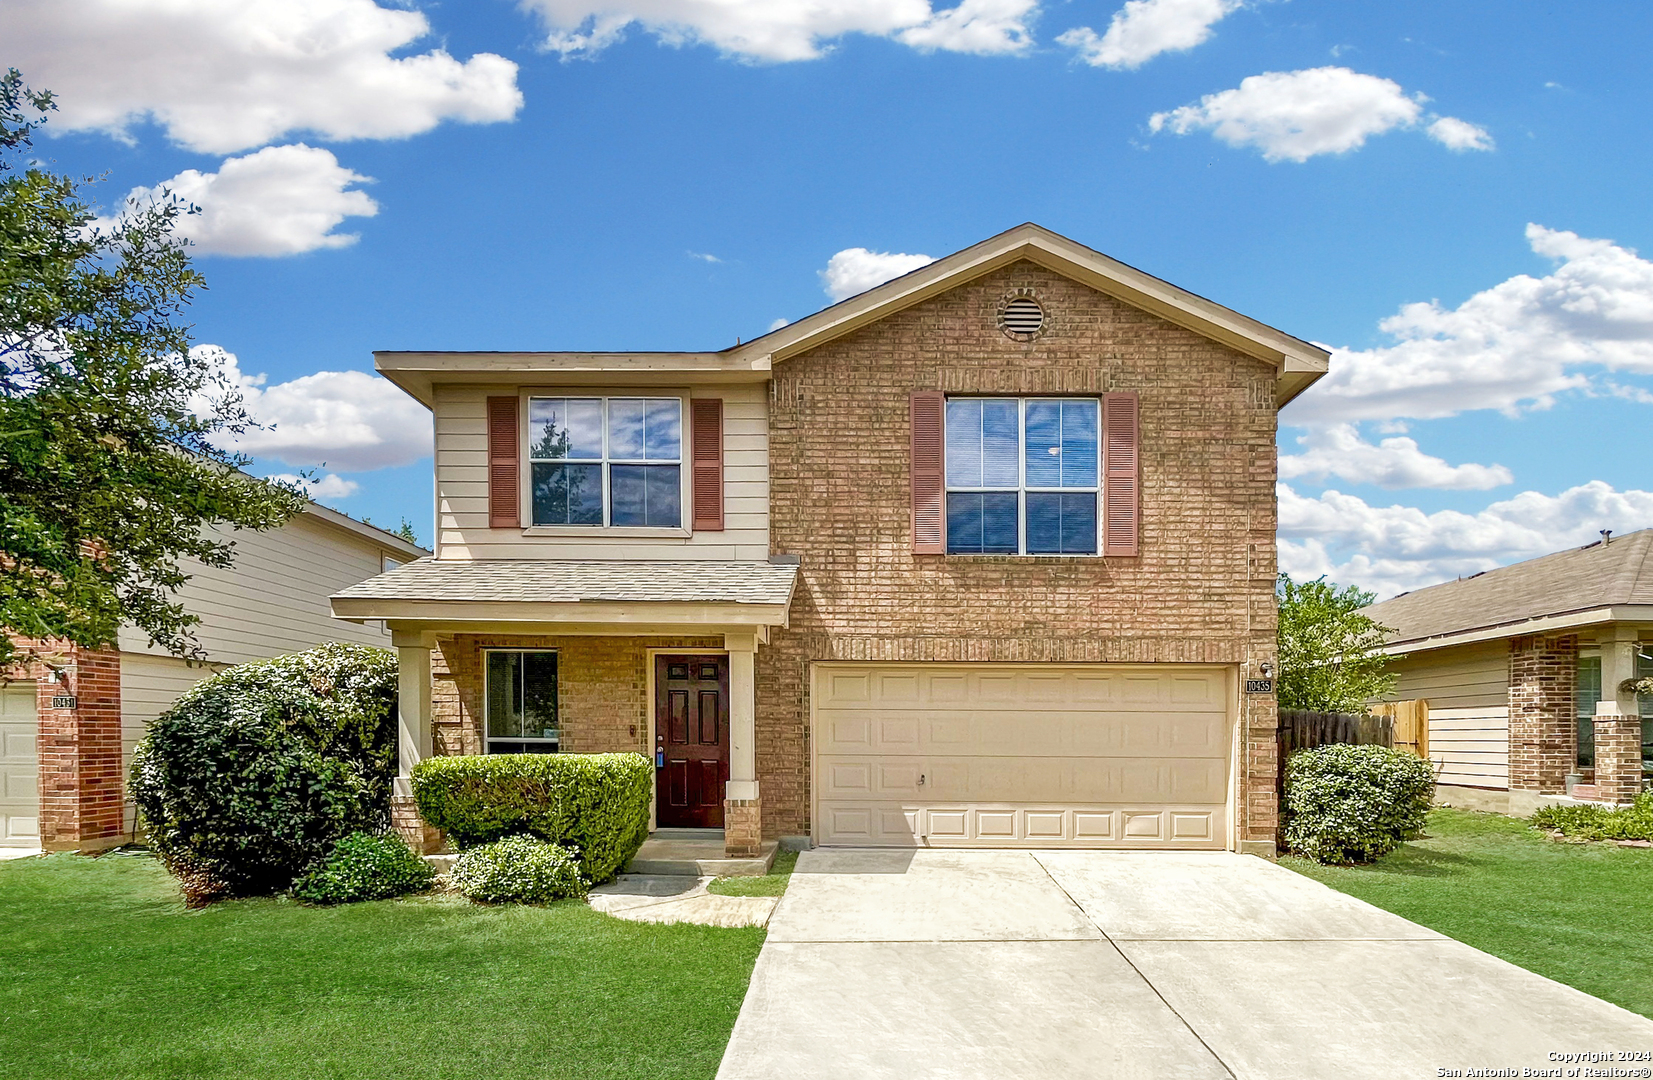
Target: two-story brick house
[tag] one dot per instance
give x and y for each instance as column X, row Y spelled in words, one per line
column 980, row 557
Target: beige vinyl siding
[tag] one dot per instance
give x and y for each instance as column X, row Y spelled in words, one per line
column 1467, row 688
column 149, row 686
column 274, row 599
column 462, row 489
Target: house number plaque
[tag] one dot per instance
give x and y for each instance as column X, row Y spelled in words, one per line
column 1259, row 686
column 63, row 701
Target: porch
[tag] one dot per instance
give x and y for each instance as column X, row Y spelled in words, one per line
column 655, row 658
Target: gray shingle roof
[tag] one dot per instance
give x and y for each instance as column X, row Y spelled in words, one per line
column 1597, row 575
column 569, row 581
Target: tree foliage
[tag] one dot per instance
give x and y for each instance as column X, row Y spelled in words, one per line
column 109, row 476
column 1329, row 658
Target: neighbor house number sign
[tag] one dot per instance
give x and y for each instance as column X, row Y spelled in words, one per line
column 63, row 701
column 1259, row 686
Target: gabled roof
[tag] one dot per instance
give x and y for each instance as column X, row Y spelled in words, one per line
column 1599, row 582
column 1297, row 362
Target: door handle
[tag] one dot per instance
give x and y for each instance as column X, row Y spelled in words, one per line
column 920, row 779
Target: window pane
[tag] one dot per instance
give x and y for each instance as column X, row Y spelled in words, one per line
column 566, row 428
column 504, row 694
column 1589, row 692
column 1000, row 427
column 663, row 430
column 568, row 494
column 644, row 495
column 1079, row 443
column 625, row 429
column 539, row 694
column 1061, row 523
column 964, row 444
column 1044, row 444
column 981, row 523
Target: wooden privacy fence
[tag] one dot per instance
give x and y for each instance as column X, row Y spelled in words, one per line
column 1304, row 729
column 1411, row 720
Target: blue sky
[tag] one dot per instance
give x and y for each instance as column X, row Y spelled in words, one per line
column 492, row 175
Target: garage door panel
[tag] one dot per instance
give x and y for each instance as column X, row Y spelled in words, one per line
column 1055, row 755
column 19, row 767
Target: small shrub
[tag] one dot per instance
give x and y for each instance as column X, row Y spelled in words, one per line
column 595, row 804
column 365, row 866
column 1348, row 804
column 256, row 772
column 1633, row 822
column 518, row 869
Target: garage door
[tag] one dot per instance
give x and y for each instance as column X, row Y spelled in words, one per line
column 19, row 768
column 1031, row 755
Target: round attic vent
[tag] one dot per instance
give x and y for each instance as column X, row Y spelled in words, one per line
column 1023, row 318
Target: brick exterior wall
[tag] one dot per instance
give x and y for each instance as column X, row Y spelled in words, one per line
column 1201, row 590
column 1543, row 687
column 82, row 776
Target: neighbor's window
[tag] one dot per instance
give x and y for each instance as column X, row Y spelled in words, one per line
column 521, row 701
column 1022, row 476
column 1644, row 668
column 606, row 461
column 1589, row 692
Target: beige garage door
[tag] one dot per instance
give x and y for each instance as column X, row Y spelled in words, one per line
column 1028, row 755
column 19, row 768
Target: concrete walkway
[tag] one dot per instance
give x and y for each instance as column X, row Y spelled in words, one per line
column 674, row 898
column 1055, row 965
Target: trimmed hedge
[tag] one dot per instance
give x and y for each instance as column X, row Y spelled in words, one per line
column 518, row 869
column 1351, row 804
column 365, row 866
column 1633, row 822
column 255, row 773
column 596, row 804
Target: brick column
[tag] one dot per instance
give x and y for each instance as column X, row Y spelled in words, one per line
column 82, row 779
column 1543, row 685
column 413, row 738
column 1618, row 753
column 742, row 806
column 1260, row 764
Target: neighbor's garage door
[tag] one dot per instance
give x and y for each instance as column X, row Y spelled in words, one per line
column 1029, row 755
column 19, row 768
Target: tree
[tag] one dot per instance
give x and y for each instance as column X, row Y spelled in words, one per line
column 109, row 475
column 1329, row 658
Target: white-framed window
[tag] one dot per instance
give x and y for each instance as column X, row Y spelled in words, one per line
column 1022, row 475
column 606, row 461
column 519, row 693
column 386, row 565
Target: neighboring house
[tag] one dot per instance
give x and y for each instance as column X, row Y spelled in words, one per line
column 1521, row 666
column 68, row 726
column 982, row 557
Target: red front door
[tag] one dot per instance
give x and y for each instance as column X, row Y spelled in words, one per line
column 691, row 740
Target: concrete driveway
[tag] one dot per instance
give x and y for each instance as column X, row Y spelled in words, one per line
column 1058, row 964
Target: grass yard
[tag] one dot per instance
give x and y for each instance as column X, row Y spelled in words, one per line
column 1581, row 914
column 770, row 884
column 103, row 973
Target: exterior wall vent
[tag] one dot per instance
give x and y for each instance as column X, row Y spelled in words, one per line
column 1022, row 318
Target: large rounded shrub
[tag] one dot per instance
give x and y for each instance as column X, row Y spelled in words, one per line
column 518, row 869
column 256, row 772
column 1350, row 804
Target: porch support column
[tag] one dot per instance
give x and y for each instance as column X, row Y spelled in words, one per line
column 742, row 807
column 1618, row 723
column 413, row 737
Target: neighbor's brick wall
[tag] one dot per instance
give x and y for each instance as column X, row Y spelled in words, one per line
column 1618, row 757
column 602, row 689
column 1543, row 712
column 1201, row 591
column 82, row 779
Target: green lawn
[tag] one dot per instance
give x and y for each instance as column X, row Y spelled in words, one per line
column 770, row 884
column 1581, row 914
column 103, row 973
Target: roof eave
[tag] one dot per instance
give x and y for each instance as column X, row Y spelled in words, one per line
column 610, row 613
column 1537, row 624
column 419, row 373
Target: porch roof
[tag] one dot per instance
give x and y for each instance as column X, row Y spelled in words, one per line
column 569, row 590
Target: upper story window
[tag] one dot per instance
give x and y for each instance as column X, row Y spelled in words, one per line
column 606, row 461
column 1022, row 476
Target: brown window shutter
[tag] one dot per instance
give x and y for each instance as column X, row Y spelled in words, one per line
column 504, row 452
column 706, row 462
column 927, row 410
column 1121, row 474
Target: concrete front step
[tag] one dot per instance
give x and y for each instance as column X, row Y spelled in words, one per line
column 697, row 853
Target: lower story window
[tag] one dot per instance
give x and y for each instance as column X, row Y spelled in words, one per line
column 521, row 701
column 1589, row 692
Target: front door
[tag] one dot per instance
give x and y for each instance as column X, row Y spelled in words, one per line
column 691, row 740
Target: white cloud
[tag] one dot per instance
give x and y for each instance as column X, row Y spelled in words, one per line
column 1295, row 115
column 784, row 30
column 1402, row 547
column 1143, row 29
column 222, row 77
column 282, row 200
column 777, row 324
column 704, row 257
column 1338, row 450
column 855, row 270
column 1459, row 135
column 1513, row 346
column 326, row 486
column 349, row 420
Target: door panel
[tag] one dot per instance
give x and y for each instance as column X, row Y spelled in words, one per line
column 691, row 740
